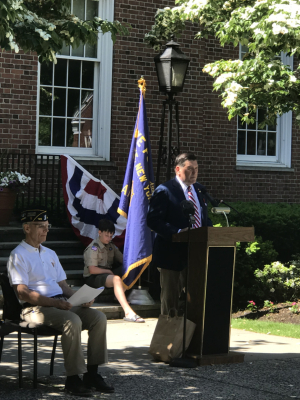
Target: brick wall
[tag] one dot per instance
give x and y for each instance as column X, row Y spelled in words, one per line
column 204, row 127
column 18, row 90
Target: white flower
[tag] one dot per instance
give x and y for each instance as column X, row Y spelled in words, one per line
column 258, row 32
column 207, row 68
column 268, row 84
column 272, row 290
column 259, row 273
column 214, row 70
column 223, row 77
column 269, row 280
column 292, row 78
column 235, row 87
column 227, row 5
column 279, row 29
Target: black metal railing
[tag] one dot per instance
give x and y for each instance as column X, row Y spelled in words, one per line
column 44, row 190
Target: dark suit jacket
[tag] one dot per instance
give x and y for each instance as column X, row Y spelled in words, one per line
column 165, row 217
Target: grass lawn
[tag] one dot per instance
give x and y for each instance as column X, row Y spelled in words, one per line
column 268, row 327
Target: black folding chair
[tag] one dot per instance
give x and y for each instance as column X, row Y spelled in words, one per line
column 11, row 315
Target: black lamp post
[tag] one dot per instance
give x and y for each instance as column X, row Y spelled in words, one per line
column 171, row 68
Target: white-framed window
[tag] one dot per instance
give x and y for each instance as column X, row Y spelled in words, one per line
column 269, row 146
column 74, row 95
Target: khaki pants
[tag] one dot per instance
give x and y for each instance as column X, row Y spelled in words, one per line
column 71, row 323
column 171, row 283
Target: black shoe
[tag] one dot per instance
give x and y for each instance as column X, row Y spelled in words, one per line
column 96, row 381
column 76, row 387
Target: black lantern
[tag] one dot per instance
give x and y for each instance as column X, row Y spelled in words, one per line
column 171, row 68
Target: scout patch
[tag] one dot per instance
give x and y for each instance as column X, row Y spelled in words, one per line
column 94, row 248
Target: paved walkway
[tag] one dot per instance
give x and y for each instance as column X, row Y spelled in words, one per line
column 270, row 371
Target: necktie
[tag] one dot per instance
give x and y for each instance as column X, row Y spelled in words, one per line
column 197, row 215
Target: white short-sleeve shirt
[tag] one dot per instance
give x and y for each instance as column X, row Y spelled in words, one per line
column 39, row 269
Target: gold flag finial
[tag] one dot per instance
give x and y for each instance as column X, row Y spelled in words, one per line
column 142, row 85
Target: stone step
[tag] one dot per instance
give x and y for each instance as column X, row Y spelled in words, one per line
column 115, row 311
column 74, row 262
column 111, row 308
column 66, row 247
column 16, row 234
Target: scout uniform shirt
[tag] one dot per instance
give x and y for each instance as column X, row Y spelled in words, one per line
column 100, row 255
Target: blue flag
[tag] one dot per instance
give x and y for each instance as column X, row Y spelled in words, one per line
column 137, row 190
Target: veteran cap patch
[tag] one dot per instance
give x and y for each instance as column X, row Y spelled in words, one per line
column 33, row 215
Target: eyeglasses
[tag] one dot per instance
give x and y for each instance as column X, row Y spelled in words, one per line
column 43, row 226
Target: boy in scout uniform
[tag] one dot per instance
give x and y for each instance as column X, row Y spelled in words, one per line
column 100, row 258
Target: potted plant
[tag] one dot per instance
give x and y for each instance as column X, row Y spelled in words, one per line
column 10, row 184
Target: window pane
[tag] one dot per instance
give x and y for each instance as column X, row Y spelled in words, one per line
column 86, row 134
column 46, row 74
column 87, row 104
column 58, row 132
column 88, row 74
column 74, row 73
column 45, row 131
column 91, row 51
column 261, row 144
column 72, row 132
column 45, row 101
column 241, row 125
column 78, row 52
column 260, row 118
column 65, row 51
column 78, row 8
column 271, row 143
column 241, row 142
column 73, row 102
column 92, row 9
column 59, row 102
column 60, row 73
column 252, row 126
column 272, row 128
column 251, row 142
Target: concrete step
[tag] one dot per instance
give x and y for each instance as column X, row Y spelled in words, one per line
column 66, row 247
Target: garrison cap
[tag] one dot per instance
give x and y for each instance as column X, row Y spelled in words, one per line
column 33, row 215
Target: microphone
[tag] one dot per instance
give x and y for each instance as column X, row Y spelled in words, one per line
column 213, row 202
column 187, row 208
column 188, row 211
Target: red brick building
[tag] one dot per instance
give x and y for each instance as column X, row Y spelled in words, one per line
column 86, row 106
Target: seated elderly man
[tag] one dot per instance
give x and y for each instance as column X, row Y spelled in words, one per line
column 40, row 284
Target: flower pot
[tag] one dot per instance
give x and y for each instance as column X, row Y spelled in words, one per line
column 7, row 203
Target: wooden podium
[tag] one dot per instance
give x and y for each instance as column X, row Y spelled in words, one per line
column 210, row 288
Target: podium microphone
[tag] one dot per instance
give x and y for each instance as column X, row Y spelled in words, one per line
column 214, row 202
column 188, row 210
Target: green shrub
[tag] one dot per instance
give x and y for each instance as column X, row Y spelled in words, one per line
column 250, row 257
column 278, row 222
column 280, row 282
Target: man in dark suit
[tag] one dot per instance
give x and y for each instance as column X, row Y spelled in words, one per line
column 165, row 217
